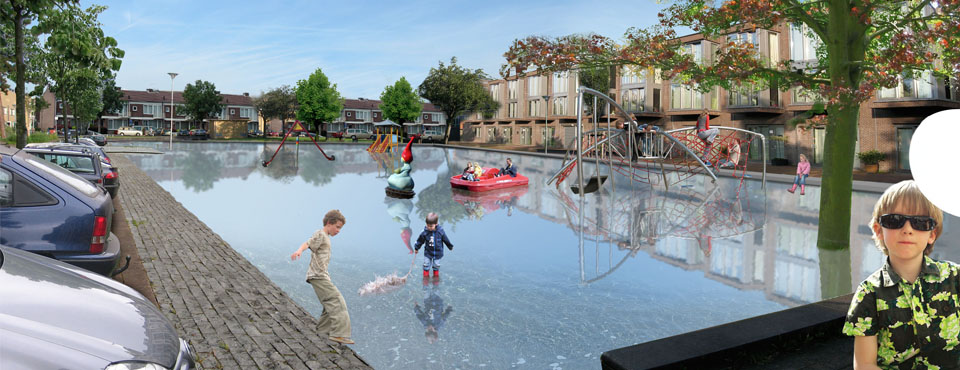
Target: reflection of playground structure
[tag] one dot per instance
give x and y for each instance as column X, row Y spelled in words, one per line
column 479, row 204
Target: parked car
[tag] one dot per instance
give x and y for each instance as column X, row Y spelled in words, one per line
column 97, row 138
column 335, row 134
column 57, row 315
column 199, row 134
column 183, row 132
column 428, row 137
column 128, row 131
column 82, row 160
column 254, row 133
column 356, row 133
column 48, row 210
column 111, row 174
column 272, row 133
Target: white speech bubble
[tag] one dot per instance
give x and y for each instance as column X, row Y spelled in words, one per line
column 934, row 160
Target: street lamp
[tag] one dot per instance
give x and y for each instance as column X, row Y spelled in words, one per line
column 546, row 121
column 172, row 76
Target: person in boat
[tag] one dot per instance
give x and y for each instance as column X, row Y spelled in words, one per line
column 510, row 169
column 477, row 171
column 467, row 172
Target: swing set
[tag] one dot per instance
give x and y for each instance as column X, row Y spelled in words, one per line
column 297, row 127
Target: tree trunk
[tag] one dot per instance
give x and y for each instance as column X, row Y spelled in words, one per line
column 21, row 77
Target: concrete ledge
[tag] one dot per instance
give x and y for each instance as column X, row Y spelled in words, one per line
column 714, row 347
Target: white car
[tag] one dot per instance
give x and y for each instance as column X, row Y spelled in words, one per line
column 129, row 131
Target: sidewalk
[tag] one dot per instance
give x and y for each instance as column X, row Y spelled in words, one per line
column 233, row 316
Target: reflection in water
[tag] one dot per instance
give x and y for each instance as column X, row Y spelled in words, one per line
column 638, row 275
column 433, row 314
column 477, row 204
column 200, row 171
column 399, row 210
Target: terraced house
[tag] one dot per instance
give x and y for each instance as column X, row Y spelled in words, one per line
column 151, row 109
column 535, row 107
column 365, row 115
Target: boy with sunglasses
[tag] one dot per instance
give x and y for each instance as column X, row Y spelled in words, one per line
column 904, row 316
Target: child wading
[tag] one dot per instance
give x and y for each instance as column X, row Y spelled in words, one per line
column 335, row 320
column 904, row 316
column 432, row 236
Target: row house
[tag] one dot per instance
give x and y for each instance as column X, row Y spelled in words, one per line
column 364, row 113
column 887, row 120
column 152, row 109
column 8, row 112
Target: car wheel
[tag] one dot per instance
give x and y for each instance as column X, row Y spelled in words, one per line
column 354, row 137
column 138, row 134
column 121, row 134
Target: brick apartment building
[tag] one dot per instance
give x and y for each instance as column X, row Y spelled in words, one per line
column 887, row 121
column 8, row 111
column 151, row 109
column 364, row 113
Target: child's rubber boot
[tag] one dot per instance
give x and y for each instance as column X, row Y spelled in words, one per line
column 802, row 189
column 436, row 273
column 791, row 190
column 426, row 273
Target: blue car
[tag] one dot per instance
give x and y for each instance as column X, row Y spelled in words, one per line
column 50, row 211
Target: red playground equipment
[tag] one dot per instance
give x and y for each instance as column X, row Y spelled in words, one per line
column 297, row 127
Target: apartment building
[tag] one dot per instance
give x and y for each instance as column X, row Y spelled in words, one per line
column 8, row 111
column 887, row 120
column 365, row 113
column 151, row 109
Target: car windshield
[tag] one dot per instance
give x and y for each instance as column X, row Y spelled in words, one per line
column 73, row 163
column 68, row 177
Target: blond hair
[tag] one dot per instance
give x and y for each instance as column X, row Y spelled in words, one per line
column 333, row 217
column 804, row 157
column 907, row 195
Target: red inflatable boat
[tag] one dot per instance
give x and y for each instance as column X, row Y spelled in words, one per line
column 488, row 181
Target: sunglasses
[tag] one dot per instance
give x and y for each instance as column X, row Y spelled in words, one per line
column 894, row 221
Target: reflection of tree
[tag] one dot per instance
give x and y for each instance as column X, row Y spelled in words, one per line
column 284, row 166
column 438, row 197
column 200, row 170
column 315, row 169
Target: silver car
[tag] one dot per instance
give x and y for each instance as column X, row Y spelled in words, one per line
column 54, row 315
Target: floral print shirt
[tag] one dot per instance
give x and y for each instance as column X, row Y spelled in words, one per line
column 916, row 324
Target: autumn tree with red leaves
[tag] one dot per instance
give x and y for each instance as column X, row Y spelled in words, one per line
column 865, row 45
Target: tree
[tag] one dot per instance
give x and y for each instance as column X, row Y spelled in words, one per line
column 110, row 98
column 202, row 100
column 865, row 45
column 399, row 103
column 594, row 77
column 456, row 91
column 319, row 100
column 280, row 103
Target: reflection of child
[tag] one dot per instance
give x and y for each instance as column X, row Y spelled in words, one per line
column 433, row 316
column 335, row 320
column 905, row 314
column 434, row 238
column 803, row 170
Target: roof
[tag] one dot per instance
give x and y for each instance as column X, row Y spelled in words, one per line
column 160, row 96
column 386, row 123
column 373, row 104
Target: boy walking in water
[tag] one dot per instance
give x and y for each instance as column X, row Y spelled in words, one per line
column 432, row 236
column 335, row 320
column 904, row 315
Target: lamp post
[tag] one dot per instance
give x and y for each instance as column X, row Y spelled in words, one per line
column 172, row 76
column 546, row 121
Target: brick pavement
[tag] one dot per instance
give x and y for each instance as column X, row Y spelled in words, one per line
column 233, row 316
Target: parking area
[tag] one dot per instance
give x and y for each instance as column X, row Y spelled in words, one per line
column 233, row 316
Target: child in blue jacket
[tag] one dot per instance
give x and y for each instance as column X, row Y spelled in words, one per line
column 432, row 236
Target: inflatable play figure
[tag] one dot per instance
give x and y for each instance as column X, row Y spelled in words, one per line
column 400, row 184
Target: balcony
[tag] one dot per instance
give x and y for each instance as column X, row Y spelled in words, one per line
column 756, row 101
column 924, row 91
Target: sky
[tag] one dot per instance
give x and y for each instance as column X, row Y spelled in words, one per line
column 362, row 46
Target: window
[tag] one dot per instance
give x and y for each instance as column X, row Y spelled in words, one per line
column 512, row 90
column 803, row 43
column 695, row 50
column 233, row 111
column 507, row 134
column 246, row 112
column 148, row 109
column 560, row 106
column 65, row 176
column 134, row 108
column 6, row 188
column 745, row 95
column 534, row 86
column 491, row 134
column 167, row 109
column 920, row 86
column 363, row 115
column 631, row 75
column 632, row 100
column 775, row 147
column 744, row 38
column 476, row 132
column 512, row 110
column 535, row 108
column 560, row 82
column 525, row 136
column 685, row 97
column 804, row 96
column 495, row 91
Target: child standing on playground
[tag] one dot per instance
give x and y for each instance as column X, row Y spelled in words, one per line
column 803, row 170
column 904, row 315
column 433, row 238
column 335, row 320
column 706, row 134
